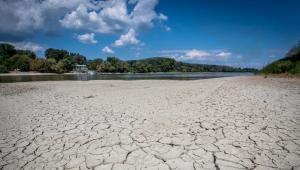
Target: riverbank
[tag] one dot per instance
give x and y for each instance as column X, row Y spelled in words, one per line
column 33, row 73
column 282, row 75
column 121, row 76
column 234, row 123
column 25, row 74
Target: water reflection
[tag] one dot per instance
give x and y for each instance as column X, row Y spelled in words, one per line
column 127, row 76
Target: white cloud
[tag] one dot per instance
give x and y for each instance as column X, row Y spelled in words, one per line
column 127, row 39
column 196, row 54
column 107, row 17
column 162, row 17
column 106, row 49
column 29, row 46
column 223, row 54
column 24, row 19
column 143, row 14
column 88, row 38
column 113, row 16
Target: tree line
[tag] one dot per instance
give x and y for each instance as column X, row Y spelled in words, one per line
column 61, row 61
column 55, row 60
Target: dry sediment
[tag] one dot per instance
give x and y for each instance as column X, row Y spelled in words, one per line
column 225, row 123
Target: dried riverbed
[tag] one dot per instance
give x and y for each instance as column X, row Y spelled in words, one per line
column 225, row 123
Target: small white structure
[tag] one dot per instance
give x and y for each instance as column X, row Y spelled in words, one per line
column 91, row 72
column 80, row 68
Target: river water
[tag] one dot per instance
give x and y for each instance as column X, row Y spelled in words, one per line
column 123, row 76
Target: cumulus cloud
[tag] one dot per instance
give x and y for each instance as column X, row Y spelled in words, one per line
column 106, row 49
column 223, row 54
column 196, row 54
column 29, row 46
column 162, row 17
column 24, row 19
column 112, row 17
column 127, row 39
column 143, row 14
column 88, row 38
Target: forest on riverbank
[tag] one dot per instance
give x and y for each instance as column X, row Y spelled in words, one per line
column 62, row 61
column 289, row 64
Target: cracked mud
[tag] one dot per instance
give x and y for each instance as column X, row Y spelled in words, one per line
column 228, row 123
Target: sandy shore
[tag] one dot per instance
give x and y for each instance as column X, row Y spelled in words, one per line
column 225, row 123
column 34, row 73
column 25, row 74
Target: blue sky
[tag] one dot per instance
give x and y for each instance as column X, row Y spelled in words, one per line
column 228, row 32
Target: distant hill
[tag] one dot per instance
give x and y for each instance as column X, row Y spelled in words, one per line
column 290, row 64
column 161, row 64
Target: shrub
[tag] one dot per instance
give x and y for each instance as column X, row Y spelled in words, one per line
column 94, row 64
column 27, row 52
column 3, row 69
column 37, row 65
column 7, row 50
column 49, row 65
column 289, row 64
column 67, row 63
column 296, row 69
column 56, row 54
column 21, row 62
column 59, row 67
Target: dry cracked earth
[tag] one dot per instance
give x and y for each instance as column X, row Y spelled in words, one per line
column 227, row 123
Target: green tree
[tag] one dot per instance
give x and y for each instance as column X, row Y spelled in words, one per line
column 3, row 69
column 27, row 53
column 113, row 60
column 108, row 67
column 49, row 65
column 37, row 65
column 94, row 64
column 139, row 67
column 289, row 64
column 296, row 68
column 115, row 65
column 100, row 67
column 59, row 67
column 56, row 54
column 20, row 62
column 122, row 67
column 78, row 59
column 7, row 51
column 68, row 63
